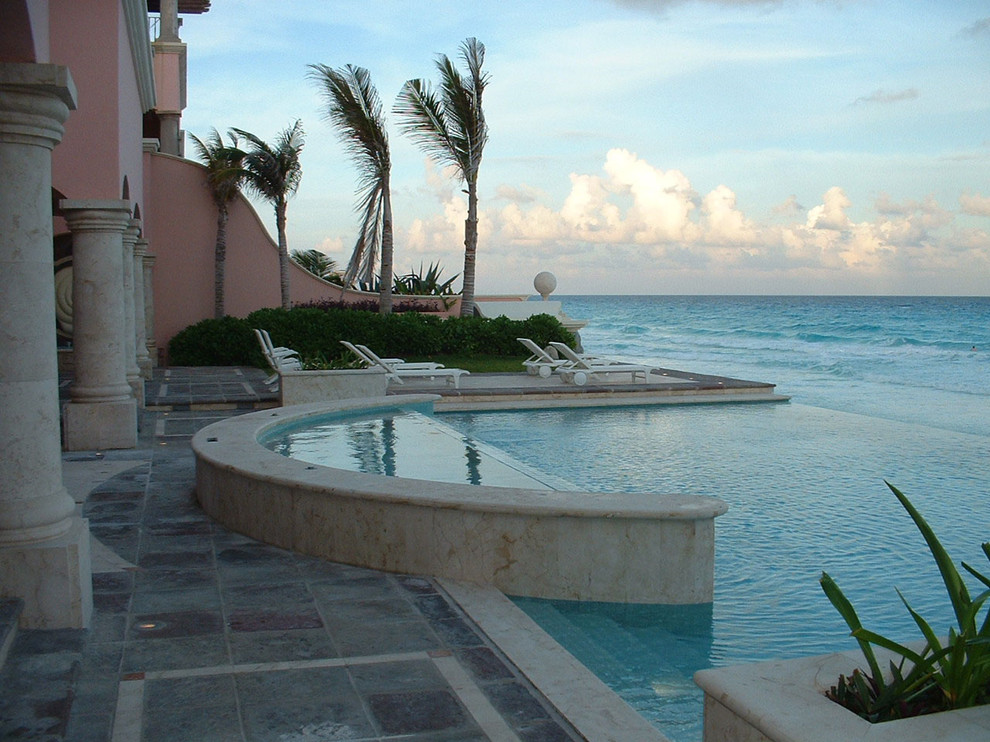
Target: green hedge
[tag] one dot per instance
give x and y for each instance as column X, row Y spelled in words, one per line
column 315, row 333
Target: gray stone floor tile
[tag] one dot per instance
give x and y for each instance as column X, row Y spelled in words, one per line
column 113, row 582
column 483, row 664
column 286, row 618
column 360, row 611
column 392, row 677
column 267, row 594
column 515, row 702
column 280, row 646
column 319, row 702
column 176, row 560
column 216, row 723
column 354, row 638
column 174, row 625
column 420, row 711
column 175, row 654
column 455, row 632
column 191, row 692
column 89, row 727
column 378, row 587
column 196, row 598
column 174, row 579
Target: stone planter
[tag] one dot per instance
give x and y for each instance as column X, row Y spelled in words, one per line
column 303, row 387
column 784, row 701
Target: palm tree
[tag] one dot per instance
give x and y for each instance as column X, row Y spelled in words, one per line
column 449, row 125
column 316, row 262
column 273, row 172
column 223, row 177
column 353, row 106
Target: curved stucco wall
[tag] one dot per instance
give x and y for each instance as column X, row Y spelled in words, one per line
column 627, row 548
column 181, row 230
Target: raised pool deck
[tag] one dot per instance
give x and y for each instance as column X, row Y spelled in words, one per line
column 200, row 633
column 504, row 391
column 230, row 388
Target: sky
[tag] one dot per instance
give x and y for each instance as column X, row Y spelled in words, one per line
column 645, row 146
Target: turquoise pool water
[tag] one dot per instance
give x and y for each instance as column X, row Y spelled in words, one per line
column 403, row 442
column 805, row 492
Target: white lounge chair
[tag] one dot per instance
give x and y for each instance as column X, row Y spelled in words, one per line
column 399, row 371
column 279, row 358
column 367, row 357
column 578, row 366
column 540, row 363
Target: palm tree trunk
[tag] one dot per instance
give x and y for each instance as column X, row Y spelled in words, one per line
column 220, row 262
column 283, row 254
column 470, row 248
column 385, row 292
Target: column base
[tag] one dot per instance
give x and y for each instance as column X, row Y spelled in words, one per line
column 145, row 365
column 137, row 389
column 53, row 578
column 91, row 426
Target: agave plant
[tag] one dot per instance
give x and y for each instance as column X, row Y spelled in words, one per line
column 424, row 283
column 941, row 676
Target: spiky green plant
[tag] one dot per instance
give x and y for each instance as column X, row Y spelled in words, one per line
column 950, row 675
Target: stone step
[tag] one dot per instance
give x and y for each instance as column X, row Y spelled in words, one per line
column 10, row 614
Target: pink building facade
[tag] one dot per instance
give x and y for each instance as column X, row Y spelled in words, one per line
column 106, row 251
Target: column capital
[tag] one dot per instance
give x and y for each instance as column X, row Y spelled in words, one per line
column 35, row 100
column 131, row 232
column 96, row 215
column 140, row 248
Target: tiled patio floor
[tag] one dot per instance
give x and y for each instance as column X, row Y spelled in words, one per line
column 201, row 634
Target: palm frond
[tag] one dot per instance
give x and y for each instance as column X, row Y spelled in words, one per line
column 223, row 165
column 422, row 116
column 273, row 172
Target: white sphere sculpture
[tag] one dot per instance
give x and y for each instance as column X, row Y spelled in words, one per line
column 544, row 283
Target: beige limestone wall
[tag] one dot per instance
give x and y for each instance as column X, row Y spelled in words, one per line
column 616, row 547
column 304, row 387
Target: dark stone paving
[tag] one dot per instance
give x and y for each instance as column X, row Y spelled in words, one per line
column 219, row 637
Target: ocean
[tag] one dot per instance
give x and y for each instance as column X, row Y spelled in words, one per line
column 882, row 388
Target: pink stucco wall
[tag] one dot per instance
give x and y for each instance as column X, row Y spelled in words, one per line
column 130, row 157
column 181, row 225
column 87, row 37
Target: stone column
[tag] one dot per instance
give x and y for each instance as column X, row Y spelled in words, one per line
column 44, row 546
column 149, row 309
column 132, row 371
column 102, row 412
column 140, row 326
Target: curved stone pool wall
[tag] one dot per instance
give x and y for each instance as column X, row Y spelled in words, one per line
column 627, row 548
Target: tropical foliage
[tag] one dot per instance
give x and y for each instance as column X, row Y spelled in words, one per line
column 354, row 108
column 942, row 675
column 317, row 263
column 316, row 333
column 274, row 171
column 223, row 178
column 448, row 123
column 424, row 283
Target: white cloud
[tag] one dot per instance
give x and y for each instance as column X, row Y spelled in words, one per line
column 975, row 204
column 646, row 224
column 883, row 97
column 831, row 213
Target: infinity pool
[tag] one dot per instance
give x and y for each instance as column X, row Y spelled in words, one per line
column 806, row 493
column 404, row 442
